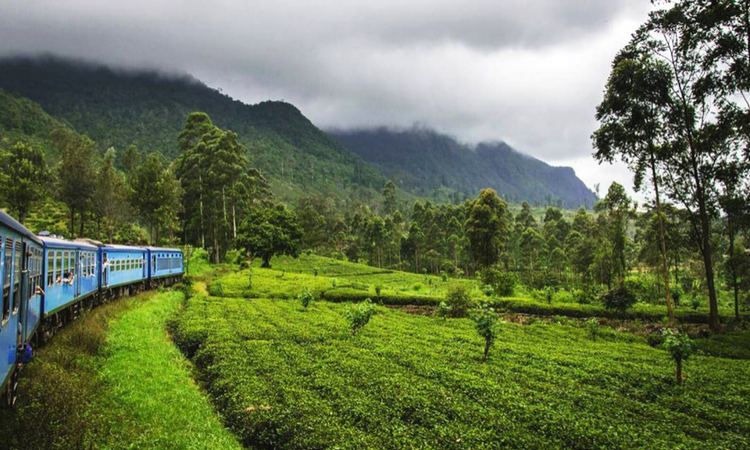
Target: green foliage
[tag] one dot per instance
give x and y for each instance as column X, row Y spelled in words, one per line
column 306, row 298
column 592, row 325
column 503, row 283
column 619, row 299
column 443, row 310
column 359, row 314
column 459, row 300
column 485, row 321
column 487, row 227
column 23, row 177
column 270, row 231
column 680, row 347
column 272, row 370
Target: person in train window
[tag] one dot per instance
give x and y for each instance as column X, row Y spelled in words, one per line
column 68, row 278
column 38, row 290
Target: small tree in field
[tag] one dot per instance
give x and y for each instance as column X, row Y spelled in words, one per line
column 306, row 298
column 486, row 324
column 681, row 347
column 359, row 314
column 443, row 310
column 593, row 326
column 458, row 300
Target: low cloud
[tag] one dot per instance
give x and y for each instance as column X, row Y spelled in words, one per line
column 526, row 72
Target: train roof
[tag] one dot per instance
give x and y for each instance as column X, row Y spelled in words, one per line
column 14, row 225
column 125, row 248
column 63, row 243
column 163, row 249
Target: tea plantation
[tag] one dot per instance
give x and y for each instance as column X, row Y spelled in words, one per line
column 287, row 378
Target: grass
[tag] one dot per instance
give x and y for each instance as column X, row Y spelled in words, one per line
column 285, row 378
column 115, row 380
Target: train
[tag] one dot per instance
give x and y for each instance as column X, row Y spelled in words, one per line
column 49, row 281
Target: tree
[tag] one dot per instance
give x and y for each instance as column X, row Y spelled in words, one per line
column 486, row 325
column 614, row 212
column 680, row 347
column 487, row 226
column 389, row 198
column 145, row 196
column 270, row 231
column 359, row 314
column 23, row 176
column 633, row 118
column 76, row 173
column 111, row 196
column 701, row 92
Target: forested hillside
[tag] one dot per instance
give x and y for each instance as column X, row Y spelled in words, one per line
column 148, row 109
column 426, row 162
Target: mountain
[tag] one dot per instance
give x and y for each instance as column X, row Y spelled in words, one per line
column 122, row 107
column 426, row 163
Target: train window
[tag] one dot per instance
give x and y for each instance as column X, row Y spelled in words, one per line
column 71, row 263
column 50, row 268
column 17, row 263
column 8, row 267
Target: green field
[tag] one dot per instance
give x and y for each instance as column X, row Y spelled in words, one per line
column 341, row 281
column 285, row 378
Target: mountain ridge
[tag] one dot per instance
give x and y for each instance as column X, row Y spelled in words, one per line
column 423, row 160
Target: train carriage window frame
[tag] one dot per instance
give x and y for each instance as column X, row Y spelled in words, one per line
column 7, row 270
column 50, row 268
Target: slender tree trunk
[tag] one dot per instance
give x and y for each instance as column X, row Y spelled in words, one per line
column 234, row 221
column 200, row 200
column 733, row 269
column 663, row 244
column 678, row 372
column 487, row 344
column 82, row 213
column 72, row 222
column 713, row 317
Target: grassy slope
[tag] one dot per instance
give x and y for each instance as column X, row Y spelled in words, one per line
column 290, row 379
column 151, row 399
column 114, row 380
column 347, row 281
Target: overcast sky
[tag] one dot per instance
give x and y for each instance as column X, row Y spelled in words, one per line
column 528, row 72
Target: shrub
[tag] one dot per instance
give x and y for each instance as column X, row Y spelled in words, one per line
column 593, row 326
column 681, row 347
column 306, row 298
column 503, row 283
column 244, row 264
column 619, row 299
column 486, row 324
column 216, row 289
column 359, row 314
column 444, row 276
column 696, row 303
column 416, row 287
column 443, row 310
column 459, row 300
column 488, row 291
column 378, row 290
column 315, row 272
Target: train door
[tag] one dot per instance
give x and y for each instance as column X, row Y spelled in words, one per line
column 78, row 267
column 105, row 270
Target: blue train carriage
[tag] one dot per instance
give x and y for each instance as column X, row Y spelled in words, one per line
column 71, row 271
column 166, row 266
column 125, row 269
column 21, row 268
